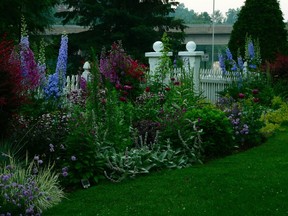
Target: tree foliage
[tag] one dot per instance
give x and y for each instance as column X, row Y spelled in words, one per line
column 136, row 23
column 38, row 15
column 261, row 20
column 232, row 15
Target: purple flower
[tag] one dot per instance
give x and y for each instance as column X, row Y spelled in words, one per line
column 40, row 161
column 65, row 174
column 29, row 68
column 73, row 158
column 51, row 146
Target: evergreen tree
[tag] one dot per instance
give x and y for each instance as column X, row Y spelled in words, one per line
column 261, row 20
column 136, row 23
column 38, row 15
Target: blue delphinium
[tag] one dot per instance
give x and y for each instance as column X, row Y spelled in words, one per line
column 251, row 50
column 52, row 88
column 222, row 64
column 56, row 82
column 62, row 61
column 240, row 63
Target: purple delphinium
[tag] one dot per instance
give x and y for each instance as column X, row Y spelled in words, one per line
column 29, row 68
column 42, row 73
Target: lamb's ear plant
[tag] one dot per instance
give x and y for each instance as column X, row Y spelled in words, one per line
column 154, row 157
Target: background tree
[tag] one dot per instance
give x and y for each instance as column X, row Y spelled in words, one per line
column 136, row 23
column 203, row 18
column 232, row 15
column 218, row 17
column 188, row 16
column 261, row 20
column 38, row 15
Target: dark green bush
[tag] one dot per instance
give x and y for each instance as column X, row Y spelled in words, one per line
column 217, row 134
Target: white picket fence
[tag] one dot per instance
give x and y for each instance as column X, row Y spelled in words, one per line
column 211, row 82
column 72, row 83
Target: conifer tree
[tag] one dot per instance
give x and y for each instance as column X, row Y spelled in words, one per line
column 136, row 23
column 261, row 20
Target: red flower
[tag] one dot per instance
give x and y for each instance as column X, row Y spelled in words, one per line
column 177, row 83
column 147, row 89
column 255, row 91
column 241, row 95
column 167, row 89
column 124, row 99
column 172, row 79
column 118, row 86
column 103, row 101
column 256, row 100
column 125, row 93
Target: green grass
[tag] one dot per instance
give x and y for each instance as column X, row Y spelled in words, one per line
column 254, row 182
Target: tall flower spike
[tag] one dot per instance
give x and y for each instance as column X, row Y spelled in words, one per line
column 29, row 68
column 61, row 66
column 42, row 63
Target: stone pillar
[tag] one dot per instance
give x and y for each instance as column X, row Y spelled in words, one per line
column 154, row 58
column 191, row 62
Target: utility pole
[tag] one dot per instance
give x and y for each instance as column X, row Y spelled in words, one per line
column 213, row 34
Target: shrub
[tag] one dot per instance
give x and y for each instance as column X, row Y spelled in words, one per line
column 217, row 134
column 11, row 90
column 36, row 134
column 244, row 116
column 274, row 118
column 81, row 155
column 279, row 68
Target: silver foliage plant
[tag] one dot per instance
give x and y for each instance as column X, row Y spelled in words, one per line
column 155, row 156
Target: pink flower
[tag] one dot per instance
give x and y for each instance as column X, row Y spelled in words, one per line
column 241, row 95
column 127, row 87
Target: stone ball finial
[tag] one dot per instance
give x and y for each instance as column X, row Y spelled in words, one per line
column 86, row 66
column 191, row 46
column 158, row 46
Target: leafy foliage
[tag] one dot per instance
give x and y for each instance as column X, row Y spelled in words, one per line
column 11, row 90
column 108, row 21
column 38, row 14
column 257, row 22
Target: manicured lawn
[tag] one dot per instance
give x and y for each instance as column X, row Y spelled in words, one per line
column 254, row 182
